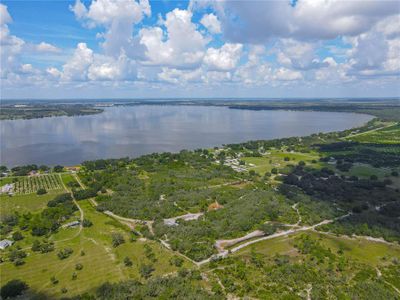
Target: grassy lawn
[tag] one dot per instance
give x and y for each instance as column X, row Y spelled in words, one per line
column 368, row 252
column 67, row 178
column 25, row 203
column 276, row 159
column 281, row 245
column 365, row 171
column 6, row 180
column 101, row 262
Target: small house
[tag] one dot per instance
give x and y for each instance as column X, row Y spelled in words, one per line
column 5, row 243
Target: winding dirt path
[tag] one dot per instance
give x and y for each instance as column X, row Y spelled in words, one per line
column 220, row 244
column 80, row 212
column 225, row 253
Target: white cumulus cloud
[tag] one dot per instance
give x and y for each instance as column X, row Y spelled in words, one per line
column 258, row 21
column 46, row 47
column 211, row 22
column 182, row 45
column 285, row 74
column 77, row 67
column 224, row 58
column 118, row 17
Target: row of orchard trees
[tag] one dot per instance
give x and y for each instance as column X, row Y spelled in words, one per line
column 32, row 184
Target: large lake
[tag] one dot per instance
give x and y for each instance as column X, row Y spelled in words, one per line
column 136, row 130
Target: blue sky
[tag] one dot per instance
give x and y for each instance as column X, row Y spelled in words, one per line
column 136, row 49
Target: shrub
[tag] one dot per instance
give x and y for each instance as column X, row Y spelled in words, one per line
column 268, row 228
column 41, row 191
column 66, row 197
column 127, row 262
column 65, row 253
column 146, row 270
column 78, row 266
column 87, row 223
column 373, row 177
column 54, row 280
column 183, row 272
column 18, row 262
column 176, row 261
column 58, row 169
column 46, row 247
column 13, row 288
column 117, row 239
column 17, row 254
column 35, row 246
column 84, row 194
column 73, row 184
column 43, row 247
column 17, row 236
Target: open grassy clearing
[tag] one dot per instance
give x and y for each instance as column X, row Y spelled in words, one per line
column 365, row 171
column 360, row 249
column 25, row 203
column 276, row 159
column 39, row 268
column 67, row 179
column 281, row 245
column 100, row 256
column 387, row 135
column 6, row 180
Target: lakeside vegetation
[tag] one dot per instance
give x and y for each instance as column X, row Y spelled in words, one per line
column 296, row 218
column 385, row 109
column 31, row 110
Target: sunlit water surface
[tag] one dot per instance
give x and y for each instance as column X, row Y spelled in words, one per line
column 135, row 130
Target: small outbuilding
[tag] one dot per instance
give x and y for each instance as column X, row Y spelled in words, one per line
column 71, row 224
column 7, row 188
column 5, row 243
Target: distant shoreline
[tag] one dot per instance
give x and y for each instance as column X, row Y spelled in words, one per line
column 387, row 109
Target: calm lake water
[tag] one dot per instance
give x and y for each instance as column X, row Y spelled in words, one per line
column 136, row 130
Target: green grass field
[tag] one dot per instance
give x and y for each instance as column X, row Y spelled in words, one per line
column 362, row 250
column 281, row 245
column 101, row 261
column 276, row 159
column 365, row 171
column 67, row 178
column 25, row 203
column 387, row 135
column 6, row 180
